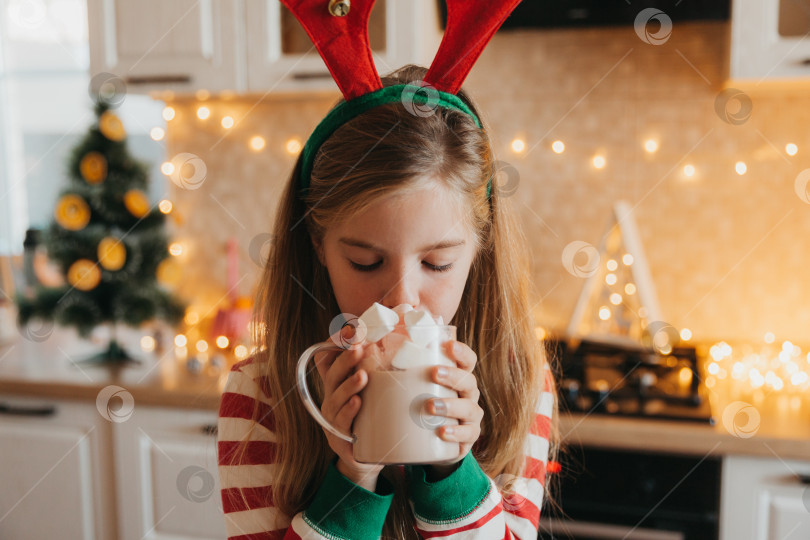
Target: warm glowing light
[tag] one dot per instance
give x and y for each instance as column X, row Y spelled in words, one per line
column 791, row 149
column 222, row 342
column 615, row 299
column 558, row 147
column 227, row 122
column 604, row 313
column 202, row 345
column 686, row 334
column 651, row 145
column 167, row 168
column 610, row 279
column 769, row 337
column 176, row 248
column 168, row 113
column 203, row 112
column 148, row 343
column 630, row 288
column 518, row 145
column 192, row 317
column 740, row 167
column 240, row 351
column 713, row 368
column 685, row 376
column 539, row 333
column 180, row 340
column 599, row 161
column 293, row 146
column 689, row 170
column 612, row 265
column 165, row 206
column 257, row 142
column 157, row 133
column 627, row 259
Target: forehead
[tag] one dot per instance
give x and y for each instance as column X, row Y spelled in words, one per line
column 410, row 218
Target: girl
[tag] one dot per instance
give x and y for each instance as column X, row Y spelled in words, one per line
column 398, row 210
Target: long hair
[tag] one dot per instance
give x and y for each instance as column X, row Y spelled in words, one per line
column 383, row 151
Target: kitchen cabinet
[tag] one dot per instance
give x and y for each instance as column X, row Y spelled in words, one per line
column 56, row 472
column 166, row 472
column 768, row 41
column 243, row 46
column 182, row 45
column 763, row 499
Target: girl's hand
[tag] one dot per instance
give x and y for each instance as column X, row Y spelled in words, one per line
column 465, row 408
column 340, row 406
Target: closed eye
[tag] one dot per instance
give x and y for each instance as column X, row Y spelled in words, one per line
column 374, row 266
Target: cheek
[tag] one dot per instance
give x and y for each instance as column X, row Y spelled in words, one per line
column 352, row 295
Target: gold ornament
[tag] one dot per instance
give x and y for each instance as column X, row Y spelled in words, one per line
column 93, row 168
column 72, row 212
column 136, row 202
column 84, row 275
column 111, row 127
column 111, row 253
column 168, row 271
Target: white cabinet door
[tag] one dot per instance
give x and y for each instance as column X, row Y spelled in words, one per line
column 769, row 40
column 166, row 466
column 181, row 45
column 56, row 476
column 763, row 499
column 281, row 57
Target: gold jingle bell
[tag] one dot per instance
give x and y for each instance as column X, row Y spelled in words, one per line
column 339, row 8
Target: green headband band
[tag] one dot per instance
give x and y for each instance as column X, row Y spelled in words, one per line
column 408, row 94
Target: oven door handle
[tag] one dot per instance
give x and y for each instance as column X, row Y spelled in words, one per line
column 586, row 529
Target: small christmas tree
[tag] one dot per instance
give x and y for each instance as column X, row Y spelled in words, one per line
column 108, row 241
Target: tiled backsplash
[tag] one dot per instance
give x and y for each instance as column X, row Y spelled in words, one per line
column 726, row 252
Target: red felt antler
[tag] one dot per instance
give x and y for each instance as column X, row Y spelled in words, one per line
column 342, row 42
column 470, row 26
column 344, row 45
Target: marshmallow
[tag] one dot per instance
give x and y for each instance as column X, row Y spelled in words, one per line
column 439, row 320
column 422, row 328
column 379, row 321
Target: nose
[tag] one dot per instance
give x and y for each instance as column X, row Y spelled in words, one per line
column 403, row 289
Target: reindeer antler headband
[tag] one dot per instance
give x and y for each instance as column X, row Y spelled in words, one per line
column 339, row 31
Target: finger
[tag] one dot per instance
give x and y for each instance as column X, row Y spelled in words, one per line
column 462, row 409
column 462, row 381
column 462, row 433
column 341, row 368
column 324, row 360
column 464, row 356
column 346, row 414
column 348, row 389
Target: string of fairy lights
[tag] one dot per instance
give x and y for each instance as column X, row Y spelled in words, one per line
column 781, row 370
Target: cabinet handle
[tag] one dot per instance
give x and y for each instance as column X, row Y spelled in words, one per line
column 158, row 79
column 45, row 410
column 312, row 75
column 209, row 429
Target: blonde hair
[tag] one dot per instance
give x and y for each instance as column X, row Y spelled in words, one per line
column 383, row 151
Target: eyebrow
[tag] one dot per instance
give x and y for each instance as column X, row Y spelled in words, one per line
column 363, row 244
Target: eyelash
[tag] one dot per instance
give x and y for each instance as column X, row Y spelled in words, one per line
column 372, row 267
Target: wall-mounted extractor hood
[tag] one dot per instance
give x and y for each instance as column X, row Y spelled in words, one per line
column 582, row 13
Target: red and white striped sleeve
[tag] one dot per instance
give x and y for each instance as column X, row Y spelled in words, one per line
column 340, row 509
column 468, row 505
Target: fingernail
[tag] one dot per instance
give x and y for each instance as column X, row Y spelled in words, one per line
column 441, row 372
column 448, row 430
column 457, row 348
column 439, row 407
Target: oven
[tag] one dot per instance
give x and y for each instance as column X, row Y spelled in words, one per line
column 617, row 494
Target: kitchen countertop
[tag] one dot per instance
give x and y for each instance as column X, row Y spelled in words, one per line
column 50, row 369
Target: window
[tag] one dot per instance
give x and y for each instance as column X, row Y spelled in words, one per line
column 46, row 108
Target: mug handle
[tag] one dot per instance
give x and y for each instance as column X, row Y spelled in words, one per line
column 303, row 389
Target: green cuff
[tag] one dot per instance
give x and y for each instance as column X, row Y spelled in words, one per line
column 342, row 509
column 450, row 498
